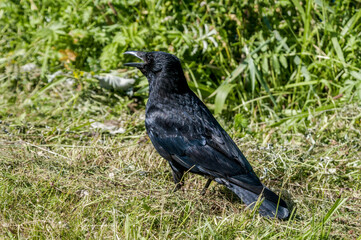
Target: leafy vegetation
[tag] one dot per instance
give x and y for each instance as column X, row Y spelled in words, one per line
column 283, row 77
column 261, row 57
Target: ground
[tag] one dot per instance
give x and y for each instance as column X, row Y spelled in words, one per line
column 62, row 178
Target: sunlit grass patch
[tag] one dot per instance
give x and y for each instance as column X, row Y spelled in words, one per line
column 63, row 185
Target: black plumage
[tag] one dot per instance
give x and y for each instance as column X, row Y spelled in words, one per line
column 186, row 134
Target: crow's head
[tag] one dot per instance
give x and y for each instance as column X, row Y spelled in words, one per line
column 161, row 69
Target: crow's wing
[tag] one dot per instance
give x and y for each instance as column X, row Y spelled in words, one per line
column 193, row 138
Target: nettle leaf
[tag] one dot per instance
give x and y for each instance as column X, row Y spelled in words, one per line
column 240, row 121
column 305, row 73
column 356, row 75
column 283, row 61
column 348, row 87
column 276, row 64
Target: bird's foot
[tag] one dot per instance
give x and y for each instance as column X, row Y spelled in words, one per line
column 204, row 190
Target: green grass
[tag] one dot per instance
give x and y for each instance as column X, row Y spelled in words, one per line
column 282, row 77
column 60, row 178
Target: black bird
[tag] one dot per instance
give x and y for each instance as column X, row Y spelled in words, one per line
column 186, row 134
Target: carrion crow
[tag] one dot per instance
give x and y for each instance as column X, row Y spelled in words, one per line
column 186, row 134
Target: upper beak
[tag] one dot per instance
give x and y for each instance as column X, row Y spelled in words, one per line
column 138, row 54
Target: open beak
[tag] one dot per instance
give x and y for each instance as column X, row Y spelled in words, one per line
column 138, row 54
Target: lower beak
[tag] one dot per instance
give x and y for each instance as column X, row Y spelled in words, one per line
column 138, row 54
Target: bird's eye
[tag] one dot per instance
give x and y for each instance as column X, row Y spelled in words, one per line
column 157, row 69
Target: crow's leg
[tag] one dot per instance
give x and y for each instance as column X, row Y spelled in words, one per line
column 206, row 186
column 178, row 180
column 177, row 173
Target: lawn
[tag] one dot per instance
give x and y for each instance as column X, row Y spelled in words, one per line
column 63, row 178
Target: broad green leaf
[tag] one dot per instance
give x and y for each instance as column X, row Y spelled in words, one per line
column 265, row 67
column 252, row 71
column 338, row 49
column 305, row 73
column 283, row 61
column 222, row 93
column 276, row 64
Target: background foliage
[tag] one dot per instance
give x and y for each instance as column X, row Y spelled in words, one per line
column 271, row 60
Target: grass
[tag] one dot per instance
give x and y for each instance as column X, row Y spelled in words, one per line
column 282, row 77
column 60, row 178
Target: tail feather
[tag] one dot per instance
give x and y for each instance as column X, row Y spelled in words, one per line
column 268, row 208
